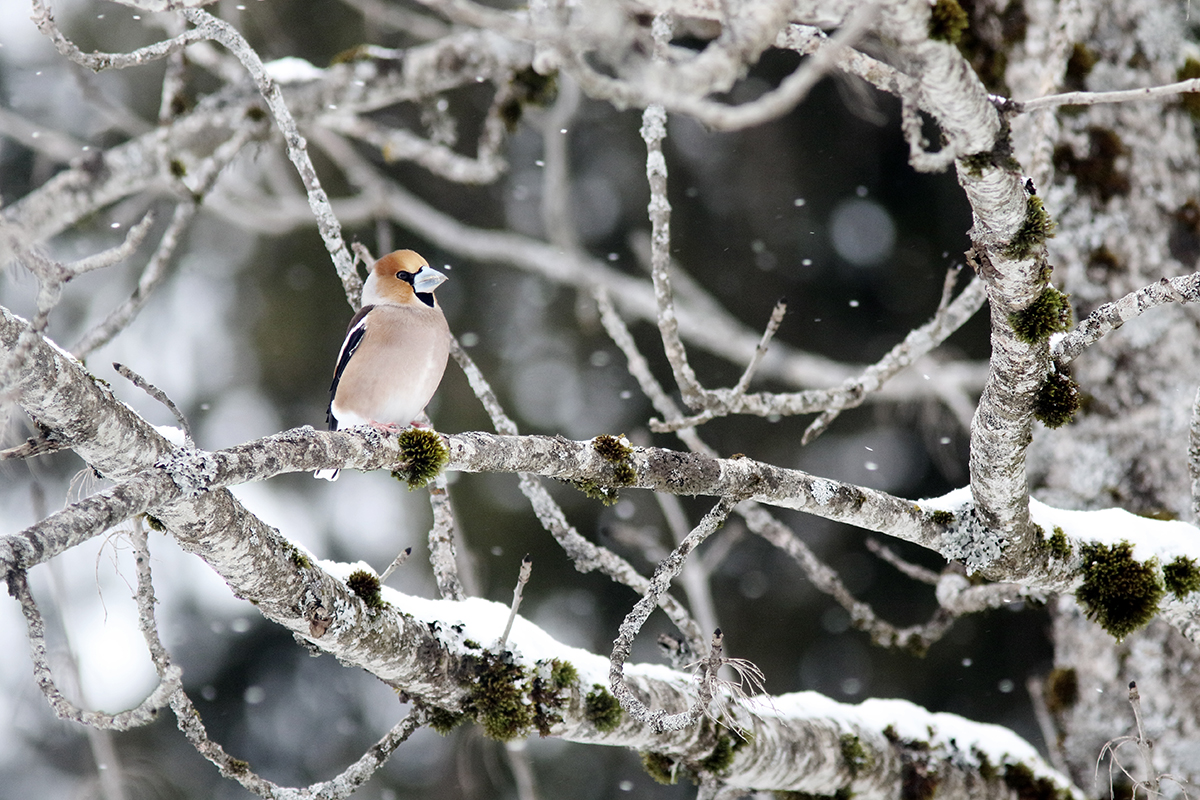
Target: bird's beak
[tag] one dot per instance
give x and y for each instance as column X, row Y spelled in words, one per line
column 427, row 279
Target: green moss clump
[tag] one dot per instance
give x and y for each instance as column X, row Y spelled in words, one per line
column 1181, row 576
column 1097, row 171
column 498, row 700
column 660, row 767
column 1191, row 100
column 602, row 709
column 854, row 754
column 235, row 767
column 1119, row 593
column 1062, row 689
column 527, row 87
column 548, row 694
column 1020, row 779
column 300, row 560
column 942, row 517
column 1056, row 401
column 444, row 721
column 360, row 52
column 721, row 758
column 178, row 168
column 424, row 456
column 891, row 734
column 1058, row 544
column 256, row 113
column 1034, row 231
column 987, row 770
column 563, row 674
column 947, row 21
column 155, row 524
column 594, row 491
column 617, row 453
column 1079, row 66
column 918, row 781
column 366, row 586
column 1050, row 312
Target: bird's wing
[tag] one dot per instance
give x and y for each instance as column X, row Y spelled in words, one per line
column 354, row 335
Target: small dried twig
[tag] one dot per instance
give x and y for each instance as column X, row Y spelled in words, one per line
column 1153, row 781
column 34, row 446
column 1094, row 98
column 397, row 562
column 159, row 395
column 522, row 579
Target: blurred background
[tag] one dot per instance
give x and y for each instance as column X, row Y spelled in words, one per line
column 819, row 207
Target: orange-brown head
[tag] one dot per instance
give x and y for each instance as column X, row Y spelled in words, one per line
column 397, row 279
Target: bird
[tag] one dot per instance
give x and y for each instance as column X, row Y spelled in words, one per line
column 395, row 350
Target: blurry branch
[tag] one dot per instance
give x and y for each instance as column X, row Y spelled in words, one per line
column 44, row 19
column 327, row 222
column 914, row 571
column 399, row 145
column 676, row 89
column 385, row 14
column 660, row 720
column 156, row 268
column 1110, row 316
column 144, row 714
column 1093, row 98
column 53, row 144
column 397, row 562
column 916, row 638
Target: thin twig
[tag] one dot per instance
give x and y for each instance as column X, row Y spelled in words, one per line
column 914, row 571
column 1094, row 98
column 522, row 579
column 397, row 562
column 159, row 395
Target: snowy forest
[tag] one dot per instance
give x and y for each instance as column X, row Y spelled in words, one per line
column 821, row 417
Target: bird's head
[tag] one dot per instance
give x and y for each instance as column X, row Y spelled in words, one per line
column 401, row 278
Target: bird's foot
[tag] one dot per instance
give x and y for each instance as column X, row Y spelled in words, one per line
column 386, row 427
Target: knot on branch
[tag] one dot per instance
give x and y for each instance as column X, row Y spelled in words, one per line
column 193, row 471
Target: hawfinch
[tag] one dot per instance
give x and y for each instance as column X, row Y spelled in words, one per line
column 395, row 350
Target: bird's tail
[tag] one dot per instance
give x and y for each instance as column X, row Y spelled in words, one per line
column 327, row 474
